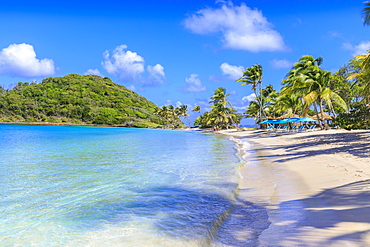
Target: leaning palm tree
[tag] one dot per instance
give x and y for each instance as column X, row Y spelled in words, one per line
column 306, row 64
column 182, row 111
column 253, row 76
column 315, row 89
column 309, row 82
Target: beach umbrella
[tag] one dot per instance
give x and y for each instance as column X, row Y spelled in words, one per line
column 268, row 121
column 265, row 122
column 306, row 119
column 281, row 121
column 292, row 120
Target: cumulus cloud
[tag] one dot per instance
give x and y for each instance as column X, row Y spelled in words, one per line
column 234, row 72
column 195, row 85
column 130, row 67
column 93, row 72
column 156, row 74
column 281, row 63
column 249, row 98
column 127, row 65
column 242, row 28
column 359, row 49
column 20, row 60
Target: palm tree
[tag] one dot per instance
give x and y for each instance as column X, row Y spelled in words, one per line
column 222, row 114
column 366, row 13
column 288, row 104
column 359, row 77
column 219, row 97
column 308, row 81
column 182, row 111
column 197, row 108
column 366, row 20
column 306, row 64
column 253, row 76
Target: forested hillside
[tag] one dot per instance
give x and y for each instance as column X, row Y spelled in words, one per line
column 76, row 99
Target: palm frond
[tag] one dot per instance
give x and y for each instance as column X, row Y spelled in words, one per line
column 366, row 13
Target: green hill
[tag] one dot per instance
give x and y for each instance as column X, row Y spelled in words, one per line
column 76, row 99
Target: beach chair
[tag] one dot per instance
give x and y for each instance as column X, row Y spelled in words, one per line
column 285, row 127
column 294, row 128
column 302, row 128
column 311, row 128
column 278, row 128
column 269, row 127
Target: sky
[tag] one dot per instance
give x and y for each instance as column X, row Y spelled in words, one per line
column 176, row 51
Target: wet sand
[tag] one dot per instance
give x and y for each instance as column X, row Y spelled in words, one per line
column 315, row 186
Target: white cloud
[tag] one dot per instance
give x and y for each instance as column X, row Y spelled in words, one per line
column 131, row 87
column 130, row 67
column 360, row 49
column 195, row 85
column 281, row 63
column 156, row 74
column 249, row 98
column 135, row 89
column 93, row 72
column 234, row 72
column 127, row 65
column 242, row 28
column 20, row 60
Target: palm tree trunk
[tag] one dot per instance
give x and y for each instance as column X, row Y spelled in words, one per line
column 317, row 115
column 321, row 111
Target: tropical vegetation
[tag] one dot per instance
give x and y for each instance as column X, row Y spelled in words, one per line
column 308, row 90
column 222, row 115
column 77, row 99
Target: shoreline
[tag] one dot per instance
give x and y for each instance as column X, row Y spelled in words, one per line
column 314, row 185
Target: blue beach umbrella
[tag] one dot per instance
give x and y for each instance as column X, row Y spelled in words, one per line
column 264, row 122
column 292, row 120
column 280, row 121
column 268, row 121
column 306, row 119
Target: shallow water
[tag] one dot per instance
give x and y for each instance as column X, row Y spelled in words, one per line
column 90, row 186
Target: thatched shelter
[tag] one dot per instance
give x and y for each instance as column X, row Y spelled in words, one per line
column 288, row 116
column 322, row 116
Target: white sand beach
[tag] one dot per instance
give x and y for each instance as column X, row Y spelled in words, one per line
column 315, row 185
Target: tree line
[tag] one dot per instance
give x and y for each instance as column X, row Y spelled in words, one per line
column 307, row 90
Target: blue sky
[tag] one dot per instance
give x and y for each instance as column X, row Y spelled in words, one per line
column 176, row 51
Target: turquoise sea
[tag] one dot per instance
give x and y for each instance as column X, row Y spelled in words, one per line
column 95, row 186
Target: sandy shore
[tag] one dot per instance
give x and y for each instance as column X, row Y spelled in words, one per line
column 315, row 185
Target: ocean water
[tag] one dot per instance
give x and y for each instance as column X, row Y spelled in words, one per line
column 94, row 186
